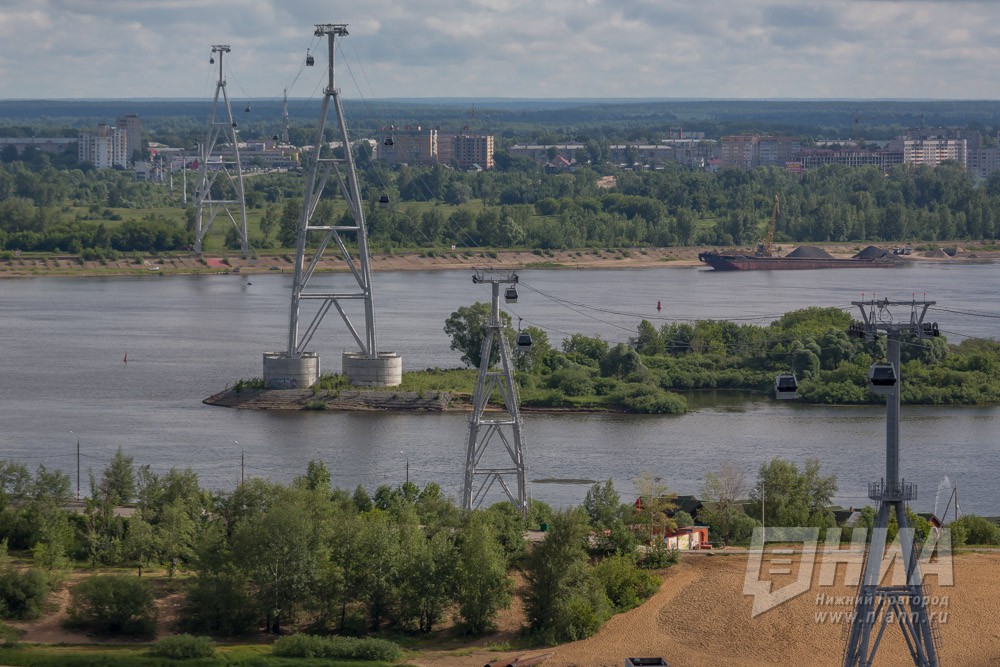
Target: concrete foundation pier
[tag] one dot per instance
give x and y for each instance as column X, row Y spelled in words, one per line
column 284, row 372
column 385, row 371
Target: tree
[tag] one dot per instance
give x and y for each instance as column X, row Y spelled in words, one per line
column 426, row 576
column 467, row 328
column 118, row 479
column 362, row 501
column 280, row 554
column 175, row 534
column 482, row 587
column 140, row 545
column 602, row 504
column 657, row 503
column 723, row 510
column 114, row 604
column 564, row 601
column 317, row 477
column 792, row 497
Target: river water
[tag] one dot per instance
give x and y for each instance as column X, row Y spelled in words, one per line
column 186, row 337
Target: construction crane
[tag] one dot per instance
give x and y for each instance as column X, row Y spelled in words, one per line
column 764, row 249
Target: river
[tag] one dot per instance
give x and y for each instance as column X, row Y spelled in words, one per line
column 186, row 337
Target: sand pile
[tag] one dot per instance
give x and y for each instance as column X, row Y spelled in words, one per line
column 810, row 252
column 936, row 254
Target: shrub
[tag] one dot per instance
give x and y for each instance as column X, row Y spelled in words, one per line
column 311, row 646
column 114, row 604
column 22, row 593
column 624, row 583
column 659, row 556
column 183, row 647
column 977, row 530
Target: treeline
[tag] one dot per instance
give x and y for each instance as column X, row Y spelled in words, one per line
column 646, row 374
column 519, row 206
column 270, row 557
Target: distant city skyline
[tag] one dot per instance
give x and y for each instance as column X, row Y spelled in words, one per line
column 842, row 49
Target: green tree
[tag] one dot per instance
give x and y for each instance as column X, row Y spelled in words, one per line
column 657, row 503
column 115, row 605
column 792, row 497
column 175, row 535
column 140, row 544
column 602, row 504
column 482, row 587
column 467, row 328
column 564, row 601
column 118, row 479
column 280, row 553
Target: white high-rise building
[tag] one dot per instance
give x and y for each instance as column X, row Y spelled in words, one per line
column 105, row 148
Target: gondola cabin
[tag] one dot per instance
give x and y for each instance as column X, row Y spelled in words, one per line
column 510, row 295
column 310, row 61
column 786, row 387
column 384, row 201
column 524, row 341
column 388, row 141
column 882, row 378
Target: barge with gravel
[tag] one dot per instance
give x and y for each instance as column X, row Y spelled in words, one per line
column 803, row 257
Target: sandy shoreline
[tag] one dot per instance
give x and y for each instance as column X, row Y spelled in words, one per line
column 187, row 264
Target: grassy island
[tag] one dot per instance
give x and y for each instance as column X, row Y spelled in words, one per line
column 651, row 374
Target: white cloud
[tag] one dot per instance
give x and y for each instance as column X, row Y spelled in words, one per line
column 513, row 48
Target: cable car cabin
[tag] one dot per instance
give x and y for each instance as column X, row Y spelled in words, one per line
column 786, row 387
column 388, row 141
column 235, row 124
column 510, row 296
column 384, row 200
column 247, row 110
column 524, row 341
column 882, row 378
column 211, row 60
column 310, row 61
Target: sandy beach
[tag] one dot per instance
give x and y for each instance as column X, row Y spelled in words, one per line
column 189, row 263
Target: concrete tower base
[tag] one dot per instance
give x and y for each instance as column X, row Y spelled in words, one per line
column 284, row 372
column 386, row 371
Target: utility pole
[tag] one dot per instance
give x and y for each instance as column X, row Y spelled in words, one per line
column 878, row 604
column 77, row 464
column 209, row 207
column 242, row 461
column 505, row 424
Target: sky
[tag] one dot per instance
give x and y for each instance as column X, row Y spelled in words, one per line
column 506, row 48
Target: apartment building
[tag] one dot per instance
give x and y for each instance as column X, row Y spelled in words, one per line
column 132, row 125
column 105, row 148
column 929, row 150
column 467, row 151
column 409, row 145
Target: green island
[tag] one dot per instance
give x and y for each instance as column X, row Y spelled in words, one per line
column 652, row 373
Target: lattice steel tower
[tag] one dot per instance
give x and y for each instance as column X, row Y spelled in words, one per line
column 506, row 424
column 876, row 602
column 296, row 367
column 210, row 204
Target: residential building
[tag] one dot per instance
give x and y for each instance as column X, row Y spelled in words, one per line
column 852, row 157
column 132, row 125
column 929, row 150
column 44, row 144
column 746, row 151
column 105, row 148
column 982, row 162
column 467, row 151
column 409, row 145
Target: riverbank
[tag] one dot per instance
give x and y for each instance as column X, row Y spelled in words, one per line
column 426, row 260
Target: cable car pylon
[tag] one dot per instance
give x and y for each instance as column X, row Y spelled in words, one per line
column 878, row 604
column 296, row 367
column 501, row 427
column 210, row 204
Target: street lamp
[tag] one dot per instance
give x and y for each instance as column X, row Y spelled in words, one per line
column 77, row 463
column 407, row 466
column 236, row 442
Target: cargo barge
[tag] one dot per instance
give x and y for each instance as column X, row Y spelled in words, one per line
column 806, row 257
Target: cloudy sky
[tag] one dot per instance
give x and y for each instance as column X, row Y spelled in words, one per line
column 507, row 48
